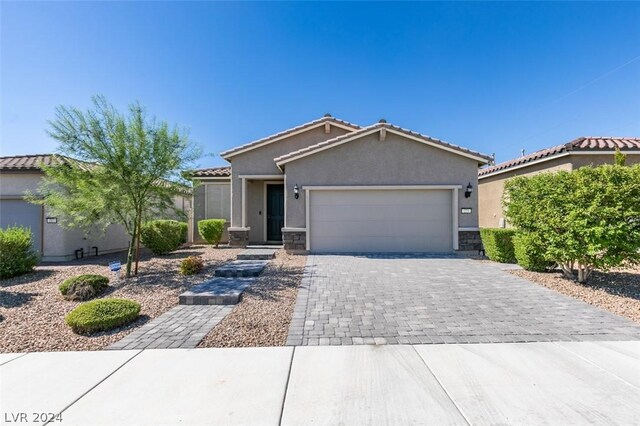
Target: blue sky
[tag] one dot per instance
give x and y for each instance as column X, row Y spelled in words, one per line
column 495, row 77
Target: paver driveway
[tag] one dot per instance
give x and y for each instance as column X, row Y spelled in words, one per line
column 364, row 299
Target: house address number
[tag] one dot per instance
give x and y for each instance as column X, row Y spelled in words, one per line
column 465, row 210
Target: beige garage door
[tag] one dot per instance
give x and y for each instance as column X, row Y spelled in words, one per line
column 380, row 221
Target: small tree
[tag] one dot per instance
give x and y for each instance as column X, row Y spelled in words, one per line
column 128, row 169
column 587, row 219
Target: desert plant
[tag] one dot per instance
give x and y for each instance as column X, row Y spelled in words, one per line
column 211, row 230
column 191, row 265
column 125, row 169
column 529, row 250
column 83, row 287
column 17, row 255
column 498, row 244
column 102, row 315
column 588, row 218
column 163, row 236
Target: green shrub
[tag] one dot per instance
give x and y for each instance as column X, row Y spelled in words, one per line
column 17, row 255
column 529, row 252
column 163, row 236
column 498, row 244
column 191, row 265
column 83, row 287
column 102, row 315
column 211, row 230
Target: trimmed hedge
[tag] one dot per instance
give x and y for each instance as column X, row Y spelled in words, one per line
column 163, row 236
column 191, row 265
column 529, row 252
column 498, row 244
column 211, row 230
column 102, row 315
column 17, row 255
column 83, row 287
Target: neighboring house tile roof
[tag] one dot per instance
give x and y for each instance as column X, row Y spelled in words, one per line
column 326, row 119
column 224, row 171
column 589, row 143
column 26, row 162
column 372, row 129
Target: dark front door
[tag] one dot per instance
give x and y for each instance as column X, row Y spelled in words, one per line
column 275, row 212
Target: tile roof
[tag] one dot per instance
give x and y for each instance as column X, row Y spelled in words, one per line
column 27, row 162
column 224, row 171
column 327, row 118
column 588, row 143
column 382, row 124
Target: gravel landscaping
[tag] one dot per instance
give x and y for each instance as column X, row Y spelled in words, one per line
column 262, row 317
column 617, row 291
column 32, row 309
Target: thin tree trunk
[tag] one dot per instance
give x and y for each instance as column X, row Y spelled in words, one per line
column 130, row 253
column 139, row 230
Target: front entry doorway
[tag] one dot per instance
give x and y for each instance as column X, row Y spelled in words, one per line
column 275, row 212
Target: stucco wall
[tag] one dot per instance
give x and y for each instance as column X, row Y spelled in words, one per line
column 369, row 161
column 255, row 210
column 60, row 243
column 16, row 184
column 198, row 213
column 597, row 159
column 260, row 162
column 491, row 188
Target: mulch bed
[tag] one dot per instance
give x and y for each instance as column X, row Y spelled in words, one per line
column 262, row 317
column 32, row 310
column 617, row 291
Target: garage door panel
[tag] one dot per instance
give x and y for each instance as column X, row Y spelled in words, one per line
column 373, row 212
column 383, row 228
column 380, row 244
column 377, row 197
column 381, row 221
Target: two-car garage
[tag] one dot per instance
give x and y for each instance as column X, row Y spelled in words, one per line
column 381, row 219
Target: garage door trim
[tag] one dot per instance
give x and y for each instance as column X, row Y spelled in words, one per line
column 454, row 202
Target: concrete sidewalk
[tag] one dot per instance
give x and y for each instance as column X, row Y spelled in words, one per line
column 503, row 383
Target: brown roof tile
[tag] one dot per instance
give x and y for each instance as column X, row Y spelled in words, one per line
column 27, row 162
column 589, row 143
column 224, row 171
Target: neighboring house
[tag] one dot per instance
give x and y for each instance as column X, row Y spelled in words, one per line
column 332, row 186
column 23, row 173
column 580, row 152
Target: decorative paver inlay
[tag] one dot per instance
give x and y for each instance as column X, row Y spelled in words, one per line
column 180, row 327
column 218, row 291
column 241, row 268
column 405, row 299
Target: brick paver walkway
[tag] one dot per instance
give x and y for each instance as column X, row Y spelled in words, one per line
column 366, row 299
column 183, row 326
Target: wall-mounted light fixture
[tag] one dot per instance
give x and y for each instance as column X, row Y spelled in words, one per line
column 469, row 190
column 296, row 191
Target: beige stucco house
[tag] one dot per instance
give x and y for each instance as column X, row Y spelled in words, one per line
column 580, row 152
column 21, row 174
column 333, row 186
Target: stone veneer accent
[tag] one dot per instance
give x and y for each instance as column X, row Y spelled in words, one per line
column 469, row 241
column 238, row 237
column 294, row 240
